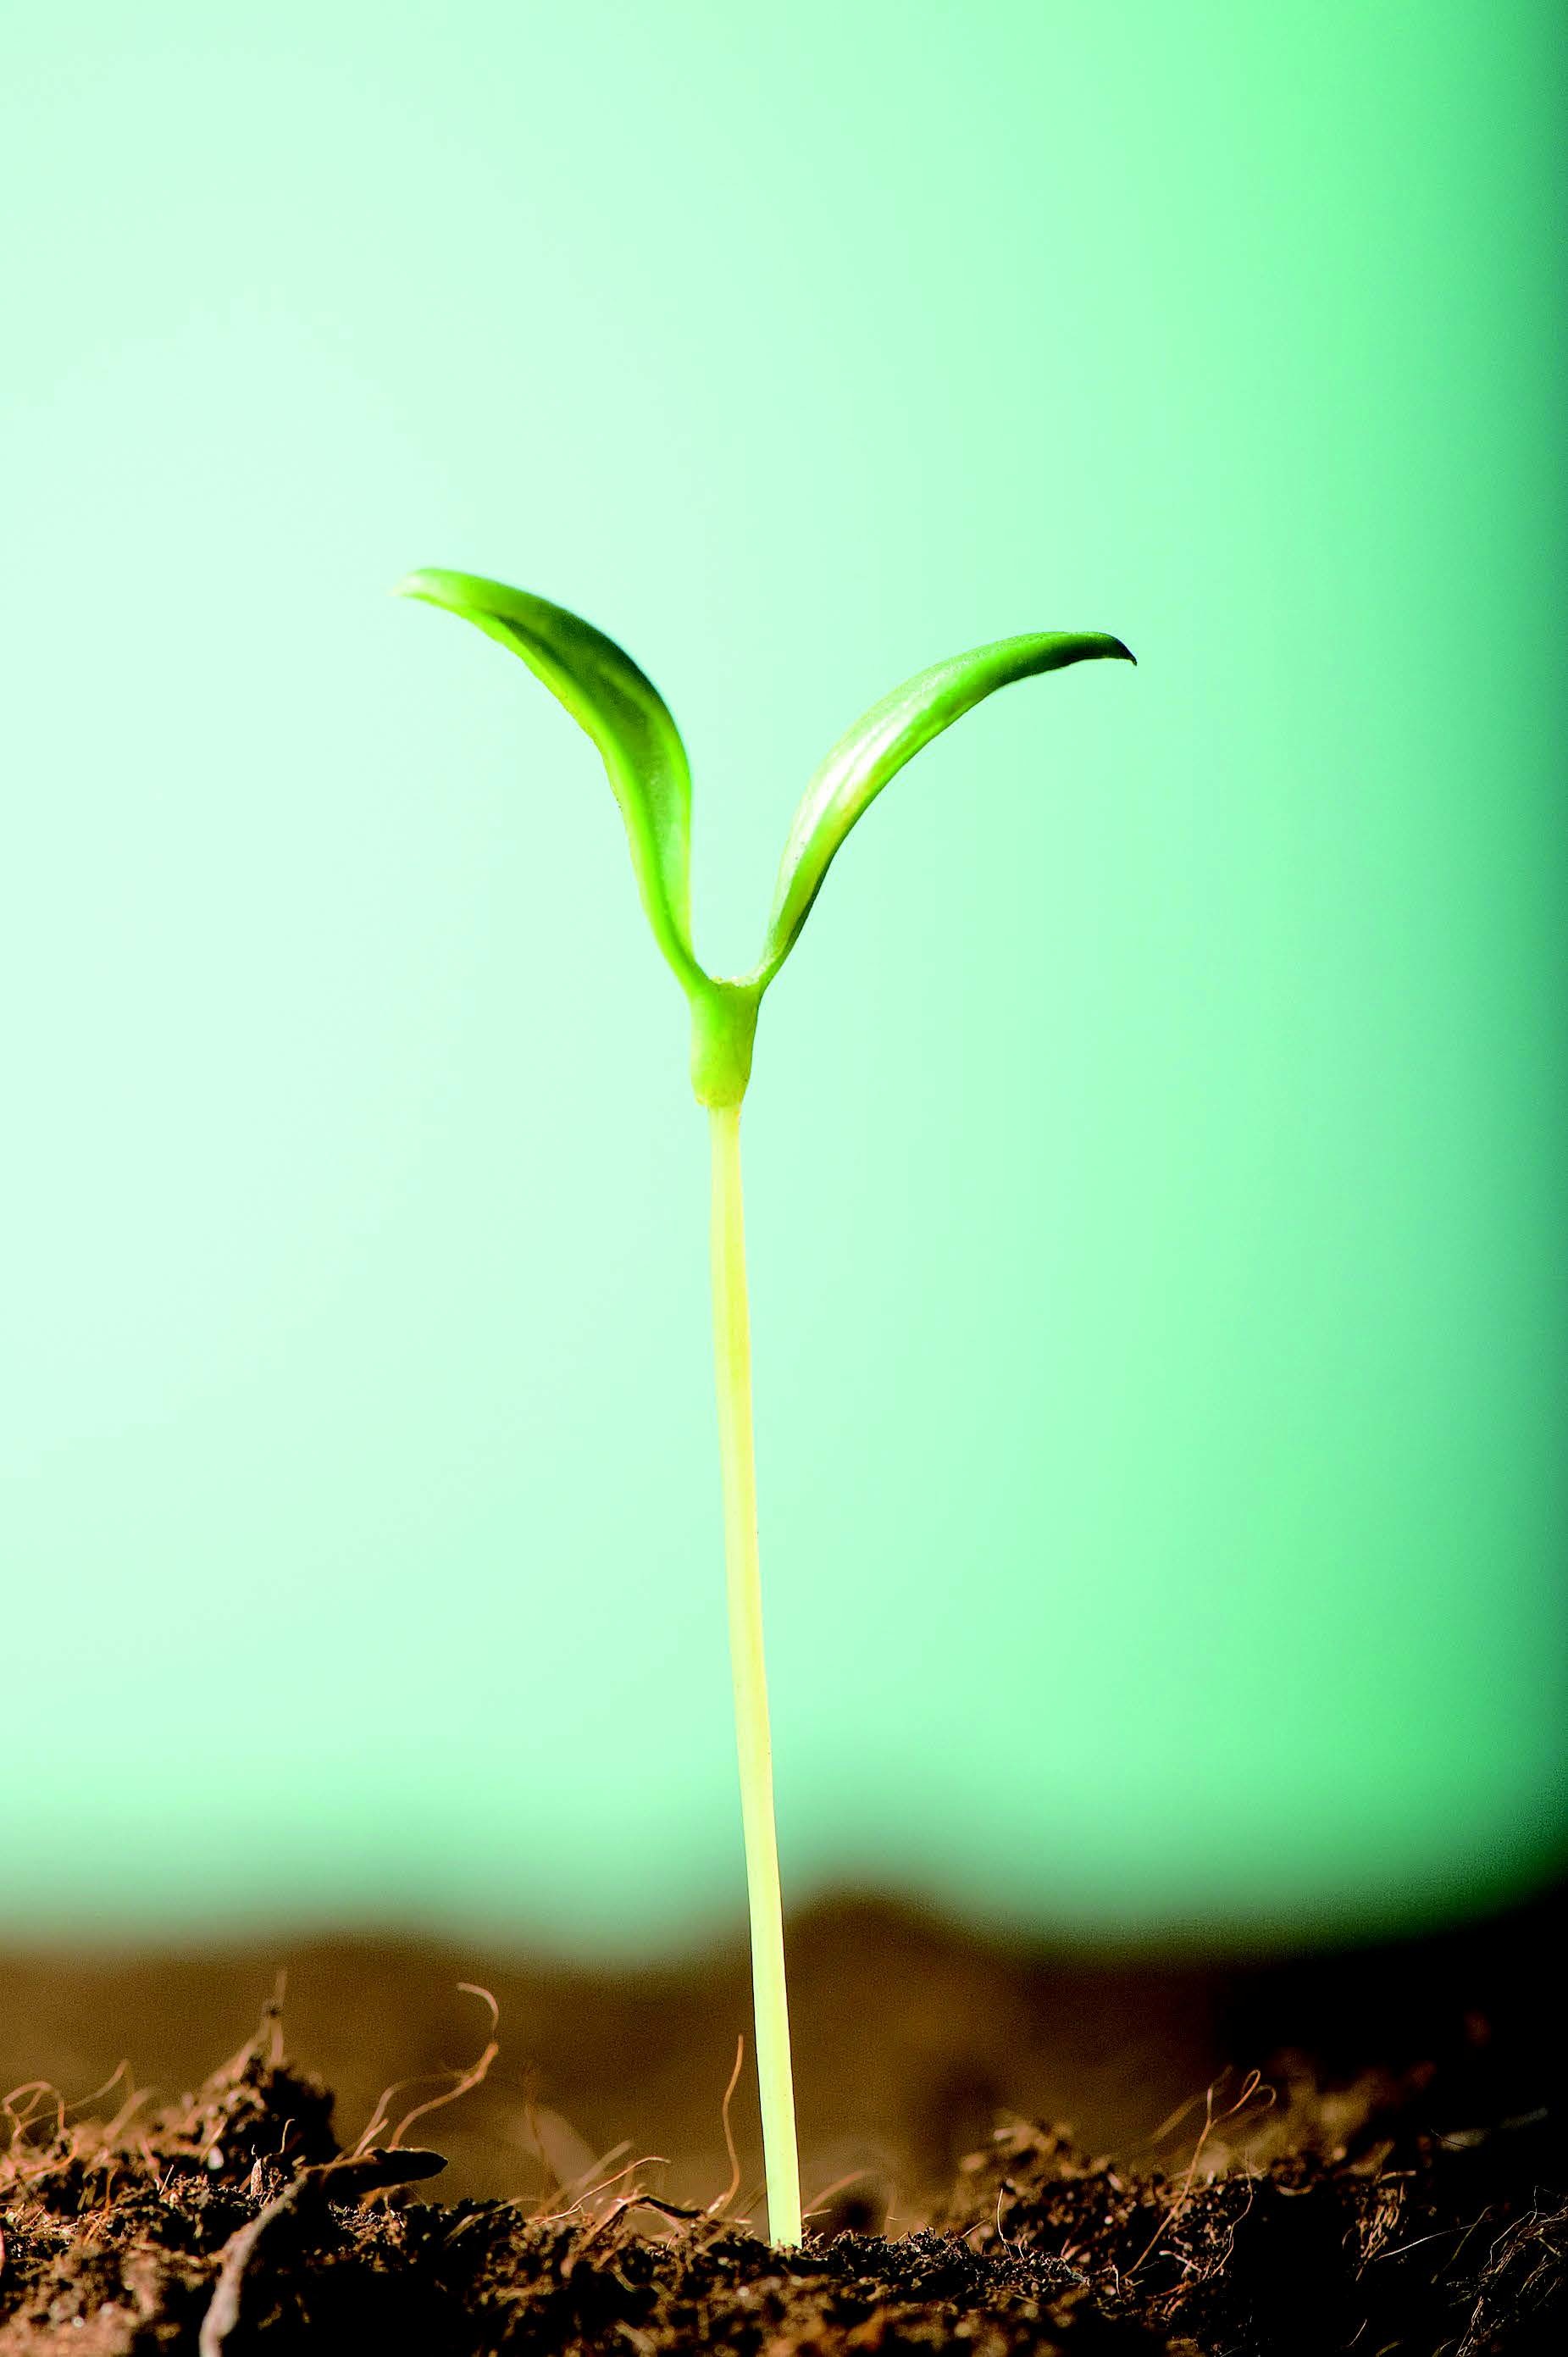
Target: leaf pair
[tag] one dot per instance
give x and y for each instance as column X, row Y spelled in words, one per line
column 628, row 719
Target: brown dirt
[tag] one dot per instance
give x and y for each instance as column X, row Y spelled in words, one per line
column 1414, row 2208
column 911, row 2034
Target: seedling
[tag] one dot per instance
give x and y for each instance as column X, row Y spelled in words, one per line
column 623, row 713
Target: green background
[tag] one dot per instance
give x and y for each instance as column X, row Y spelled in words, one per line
column 1155, row 1160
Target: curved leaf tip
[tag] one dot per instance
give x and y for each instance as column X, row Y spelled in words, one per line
column 618, row 706
column 880, row 743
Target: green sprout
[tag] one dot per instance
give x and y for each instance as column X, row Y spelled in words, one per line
column 625, row 716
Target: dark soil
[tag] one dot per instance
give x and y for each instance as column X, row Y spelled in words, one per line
column 1419, row 2209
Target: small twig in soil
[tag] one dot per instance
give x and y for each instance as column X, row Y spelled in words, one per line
column 613, row 2218
column 350, row 2178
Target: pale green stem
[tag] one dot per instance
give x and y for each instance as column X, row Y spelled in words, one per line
column 732, row 1352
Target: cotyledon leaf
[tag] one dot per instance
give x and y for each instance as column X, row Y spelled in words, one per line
column 879, row 743
column 622, row 711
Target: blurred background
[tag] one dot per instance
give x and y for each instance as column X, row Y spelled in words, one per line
column 1154, row 1192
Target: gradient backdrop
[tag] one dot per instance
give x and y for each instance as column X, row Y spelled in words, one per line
column 1156, row 1161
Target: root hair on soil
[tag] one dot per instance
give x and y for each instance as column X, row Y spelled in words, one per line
column 716, row 2208
column 463, row 2082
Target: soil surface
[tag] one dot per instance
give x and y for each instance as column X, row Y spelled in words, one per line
column 1399, row 2202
